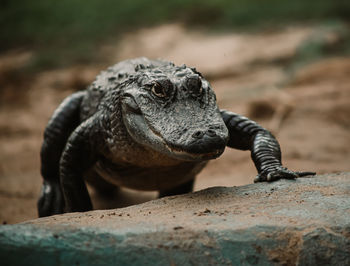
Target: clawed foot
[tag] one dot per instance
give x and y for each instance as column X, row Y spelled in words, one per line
column 51, row 199
column 280, row 173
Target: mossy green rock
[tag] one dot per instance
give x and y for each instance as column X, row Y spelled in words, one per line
column 304, row 221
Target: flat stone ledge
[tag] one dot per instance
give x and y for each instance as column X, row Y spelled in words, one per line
column 289, row 222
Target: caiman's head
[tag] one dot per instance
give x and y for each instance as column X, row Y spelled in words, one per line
column 173, row 110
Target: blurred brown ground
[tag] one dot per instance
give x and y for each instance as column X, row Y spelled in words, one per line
column 308, row 109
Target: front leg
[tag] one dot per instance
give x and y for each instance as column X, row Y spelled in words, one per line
column 61, row 125
column 78, row 156
column 245, row 134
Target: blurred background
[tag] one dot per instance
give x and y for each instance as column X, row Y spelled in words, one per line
column 285, row 64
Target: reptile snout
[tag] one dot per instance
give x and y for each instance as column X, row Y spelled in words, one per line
column 201, row 133
column 211, row 131
column 206, row 140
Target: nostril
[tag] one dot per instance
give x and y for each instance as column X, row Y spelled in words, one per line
column 215, row 127
column 198, row 134
column 211, row 133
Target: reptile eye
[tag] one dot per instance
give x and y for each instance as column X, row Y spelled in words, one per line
column 158, row 90
column 194, row 85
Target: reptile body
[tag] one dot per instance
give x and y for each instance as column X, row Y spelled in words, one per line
column 147, row 125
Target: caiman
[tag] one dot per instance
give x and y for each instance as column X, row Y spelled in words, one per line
column 146, row 125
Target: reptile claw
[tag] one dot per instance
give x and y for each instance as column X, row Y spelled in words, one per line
column 303, row 174
column 280, row 173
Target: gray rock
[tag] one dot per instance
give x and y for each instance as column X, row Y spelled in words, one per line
column 288, row 222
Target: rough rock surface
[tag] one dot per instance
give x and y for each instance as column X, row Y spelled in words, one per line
column 305, row 222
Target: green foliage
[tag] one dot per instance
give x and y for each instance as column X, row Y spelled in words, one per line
column 69, row 31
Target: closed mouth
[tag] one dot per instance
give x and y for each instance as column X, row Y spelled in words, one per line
column 202, row 152
column 193, row 155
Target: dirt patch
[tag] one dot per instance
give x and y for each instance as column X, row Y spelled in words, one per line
column 287, row 255
column 309, row 113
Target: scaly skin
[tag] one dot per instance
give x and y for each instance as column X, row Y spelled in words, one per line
column 148, row 125
column 246, row 134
